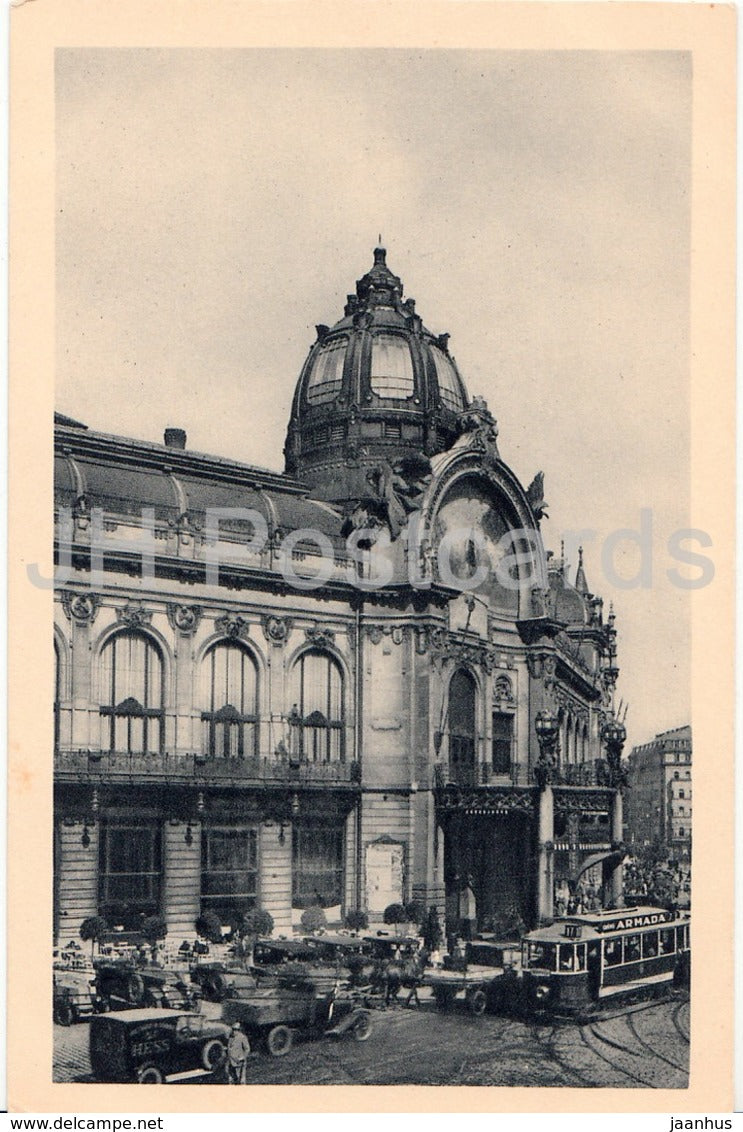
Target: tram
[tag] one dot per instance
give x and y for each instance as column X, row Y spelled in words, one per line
column 581, row 960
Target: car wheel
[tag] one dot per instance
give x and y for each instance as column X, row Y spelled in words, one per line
column 279, row 1041
column 135, row 988
column 150, row 1075
column 213, row 1054
column 362, row 1028
column 477, row 1002
column 64, row 1013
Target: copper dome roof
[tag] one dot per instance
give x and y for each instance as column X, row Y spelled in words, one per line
column 375, row 385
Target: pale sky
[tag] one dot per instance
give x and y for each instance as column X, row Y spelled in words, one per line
column 214, row 205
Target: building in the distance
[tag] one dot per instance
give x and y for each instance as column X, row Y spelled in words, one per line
column 658, row 801
column 356, row 683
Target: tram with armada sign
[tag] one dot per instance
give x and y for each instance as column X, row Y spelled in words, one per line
column 579, row 962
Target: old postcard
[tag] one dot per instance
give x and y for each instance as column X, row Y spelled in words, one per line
column 372, row 472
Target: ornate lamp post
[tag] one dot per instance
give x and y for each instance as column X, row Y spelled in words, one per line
column 614, row 735
column 547, row 727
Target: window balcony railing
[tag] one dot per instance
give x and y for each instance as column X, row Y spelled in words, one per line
column 89, row 765
column 594, row 773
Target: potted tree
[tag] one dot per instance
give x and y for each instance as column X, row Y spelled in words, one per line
column 313, row 919
column 257, row 922
column 395, row 914
column 209, row 927
column 154, row 929
column 356, row 920
column 93, row 928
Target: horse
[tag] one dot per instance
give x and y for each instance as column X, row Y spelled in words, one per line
column 390, row 976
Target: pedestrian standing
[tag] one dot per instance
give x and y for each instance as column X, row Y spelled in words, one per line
column 238, row 1048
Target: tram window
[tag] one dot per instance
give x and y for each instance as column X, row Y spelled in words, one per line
column 567, row 957
column 667, row 941
column 649, row 945
column 612, row 952
column 580, row 956
column 631, row 948
column 542, row 955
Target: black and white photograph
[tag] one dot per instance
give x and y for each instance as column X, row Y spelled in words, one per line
column 375, row 557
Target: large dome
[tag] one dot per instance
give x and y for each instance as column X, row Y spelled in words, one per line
column 376, row 385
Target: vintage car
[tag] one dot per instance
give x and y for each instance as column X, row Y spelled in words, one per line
column 221, row 979
column 272, row 1015
column 277, row 952
column 482, row 977
column 73, row 997
column 152, row 1045
column 395, row 947
column 121, row 984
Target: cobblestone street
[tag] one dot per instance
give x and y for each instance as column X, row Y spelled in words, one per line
column 641, row 1047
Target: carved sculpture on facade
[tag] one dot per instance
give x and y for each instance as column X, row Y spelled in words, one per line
column 231, row 625
column 134, row 615
column 535, row 495
column 276, row 629
column 396, row 633
column 320, row 636
column 80, row 608
column 395, row 491
column 184, row 618
column 480, row 430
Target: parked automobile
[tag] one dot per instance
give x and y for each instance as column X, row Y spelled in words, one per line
column 482, row 977
column 221, row 979
column 272, row 1016
column 121, row 984
column 150, row 1045
column 73, row 997
column 277, row 952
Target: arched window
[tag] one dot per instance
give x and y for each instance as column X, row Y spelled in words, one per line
column 131, row 694
column 57, row 691
column 318, row 713
column 462, row 727
column 392, row 367
column 229, row 699
column 326, row 377
column 450, row 388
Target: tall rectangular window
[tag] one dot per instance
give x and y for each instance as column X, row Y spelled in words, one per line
column 229, row 870
column 502, row 742
column 130, row 871
column 317, row 865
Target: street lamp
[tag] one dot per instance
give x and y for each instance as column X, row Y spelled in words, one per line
column 547, row 726
column 614, row 735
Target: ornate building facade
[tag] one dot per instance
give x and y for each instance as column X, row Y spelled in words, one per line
column 659, row 795
column 359, row 682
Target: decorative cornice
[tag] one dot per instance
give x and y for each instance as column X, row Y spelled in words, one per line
column 488, row 799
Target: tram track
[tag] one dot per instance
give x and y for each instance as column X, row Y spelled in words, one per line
column 684, row 1034
column 591, row 1029
column 655, row 1053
